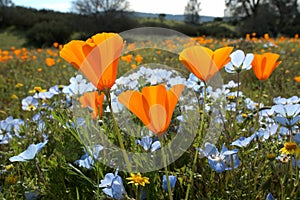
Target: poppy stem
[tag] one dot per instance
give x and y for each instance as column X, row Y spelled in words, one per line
column 120, row 139
column 166, row 171
column 199, row 134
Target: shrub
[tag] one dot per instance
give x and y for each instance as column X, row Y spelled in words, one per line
column 46, row 32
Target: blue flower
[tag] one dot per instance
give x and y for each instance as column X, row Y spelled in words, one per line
column 270, row 197
column 172, row 180
column 291, row 100
column 243, row 141
column 195, row 83
column 8, row 128
column 78, row 86
column 287, row 115
column 43, row 95
column 220, row 161
column 29, row 103
column 297, row 138
column 112, row 185
column 57, row 89
column 86, row 160
column 147, row 143
column 267, row 132
column 29, row 153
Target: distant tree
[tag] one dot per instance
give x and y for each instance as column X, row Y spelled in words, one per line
column 191, row 12
column 162, row 17
column 287, row 11
column 243, row 8
column 262, row 16
column 4, row 12
column 90, row 7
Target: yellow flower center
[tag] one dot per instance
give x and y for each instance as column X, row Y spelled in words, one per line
column 290, row 146
column 138, row 179
column 31, row 107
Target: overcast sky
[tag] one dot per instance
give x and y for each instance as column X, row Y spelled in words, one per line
column 208, row 7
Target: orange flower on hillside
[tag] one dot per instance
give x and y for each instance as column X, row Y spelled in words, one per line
column 50, row 62
column 138, row 59
column 297, row 79
column 97, row 58
column 154, row 106
column 264, row 64
column 93, row 101
column 203, row 62
column 127, row 58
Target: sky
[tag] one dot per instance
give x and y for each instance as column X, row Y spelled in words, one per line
column 208, row 7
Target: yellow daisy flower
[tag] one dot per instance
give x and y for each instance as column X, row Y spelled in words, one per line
column 290, row 148
column 138, row 179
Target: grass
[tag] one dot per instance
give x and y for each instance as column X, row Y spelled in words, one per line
column 11, row 37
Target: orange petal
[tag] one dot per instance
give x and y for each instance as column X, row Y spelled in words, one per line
column 156, row 97
column 256, row 66
column 271, row 64
column 135, row 102
column 72, row 53
column 94, row 101
column 172, row 99
column 222, row 56
column 101, row 64
column 203, row 62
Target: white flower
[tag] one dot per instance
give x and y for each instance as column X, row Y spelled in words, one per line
column 239, row 62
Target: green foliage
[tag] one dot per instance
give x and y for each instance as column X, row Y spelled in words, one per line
column 46, row 33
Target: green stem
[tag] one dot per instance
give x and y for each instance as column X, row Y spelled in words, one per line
column 199, row 134
column 120, row 139
column 258, row 106
column 237, row 100
column 166, row 171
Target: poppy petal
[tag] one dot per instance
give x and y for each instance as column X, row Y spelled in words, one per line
column 135, row 102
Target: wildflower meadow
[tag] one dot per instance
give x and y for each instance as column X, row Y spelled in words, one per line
column 151, row 113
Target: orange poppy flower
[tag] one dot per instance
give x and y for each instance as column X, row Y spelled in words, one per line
column 297, row 78
column 97, row 58
column 138, row 59
column 127, row 58
column 94, row 101
column 50, row 62
column 264, row 64
column 154, row 106
column 203, row 62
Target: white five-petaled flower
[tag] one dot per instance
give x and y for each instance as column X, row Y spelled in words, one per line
column 239, row 62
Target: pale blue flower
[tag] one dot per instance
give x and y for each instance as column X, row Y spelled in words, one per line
column 284, row 101
column 230, row 85
column 78, row 86
column 220, row 161
column 147, row 142
column 29, row 153
column 43, row 95
column 243, row 141
column 172, row 180
column 287, row 115
column 57, row 89
column 297, row 138
column 86, row 160
column 266, row 133
column 112, row 185
column 29, row 103
column 270, row 197
column 195, row 83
